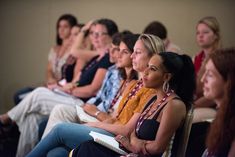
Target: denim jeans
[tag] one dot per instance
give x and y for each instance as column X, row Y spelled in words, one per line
column 63, row 138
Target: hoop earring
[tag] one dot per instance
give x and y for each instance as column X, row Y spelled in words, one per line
column 165, row 86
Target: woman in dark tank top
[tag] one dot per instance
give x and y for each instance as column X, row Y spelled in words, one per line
column 172, row 76
column 148, row 129
column 164, row 114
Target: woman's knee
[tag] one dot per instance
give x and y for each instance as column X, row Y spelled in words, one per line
column 70, row 130
column 60, row 129
column 60, row 108
column 57, row 110
column 62, row 111
column 40, row 90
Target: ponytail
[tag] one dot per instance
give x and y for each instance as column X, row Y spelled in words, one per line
column 187, row 83
column 183, row 75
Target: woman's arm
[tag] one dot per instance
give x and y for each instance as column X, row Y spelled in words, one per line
column 203, row 102
column 81, row 36
column 80, row 63
column 117, row 129
column 133, row 144
column 77, row 47
column 91, row 89
column 172, row 117
column 92, row 110
column 50, row 77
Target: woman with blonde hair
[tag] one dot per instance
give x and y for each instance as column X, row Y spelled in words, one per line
column 209, row 39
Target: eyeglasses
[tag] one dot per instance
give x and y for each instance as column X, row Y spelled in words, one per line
column 98, row 34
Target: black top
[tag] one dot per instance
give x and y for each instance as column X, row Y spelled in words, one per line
column 68, row 68
column 90, row 69
column 149, row 127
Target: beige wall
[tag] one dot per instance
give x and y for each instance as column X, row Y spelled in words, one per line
column 28, row 30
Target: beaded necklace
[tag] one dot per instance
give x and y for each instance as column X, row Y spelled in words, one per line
column 91, row 64
column 132, row 93
column 147, row 112
column 118, row 94
column 94, row 61
column 88, row 66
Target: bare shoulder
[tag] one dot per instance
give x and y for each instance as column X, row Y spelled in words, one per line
column 176, row 106
column 55, row 48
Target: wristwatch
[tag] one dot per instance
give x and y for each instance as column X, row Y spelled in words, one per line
column 97, row 113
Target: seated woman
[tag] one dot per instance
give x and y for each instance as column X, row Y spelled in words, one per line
column 68, row 67
column 82, row 51
column 209, row 39
column 157, row 28
column 133, row 100
column 57, row 55
column 172, row 76
column 219, row 86
column 102, row 106
column 41, row 101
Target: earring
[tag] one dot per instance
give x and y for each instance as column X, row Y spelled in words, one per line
column 165, row 86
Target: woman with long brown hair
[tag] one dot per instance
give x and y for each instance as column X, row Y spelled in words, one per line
column 219, row 86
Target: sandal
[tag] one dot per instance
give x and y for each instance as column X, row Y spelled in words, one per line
column 5, row 129
column 5, row 120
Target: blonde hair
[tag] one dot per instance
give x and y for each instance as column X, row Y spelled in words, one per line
column 152, row 43
column 213, row 24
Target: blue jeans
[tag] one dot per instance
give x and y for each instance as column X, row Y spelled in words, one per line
column 63, row 138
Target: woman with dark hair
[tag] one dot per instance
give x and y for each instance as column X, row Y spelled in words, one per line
column 123, row 119
column 101, row 106
column 158, row 29
column 39, row 103
column 71, row 20
column 172, row 76
column 57, row 55
column 219, row 86
column 60, row 52
column 100, row 34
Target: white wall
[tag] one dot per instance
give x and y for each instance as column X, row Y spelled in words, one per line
column 28, row 30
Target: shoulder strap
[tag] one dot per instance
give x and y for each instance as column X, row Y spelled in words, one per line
column 159, row 111
column 154, row 98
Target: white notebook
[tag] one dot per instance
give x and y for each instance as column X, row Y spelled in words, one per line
column 83, row 116
column 60, row 92
column 107, row 141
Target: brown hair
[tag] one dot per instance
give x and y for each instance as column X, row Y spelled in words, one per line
column 213, row 24
column 222, row 131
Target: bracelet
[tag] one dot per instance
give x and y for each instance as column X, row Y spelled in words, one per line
column 145, row 149
column 97, row 113
column 75, row 84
